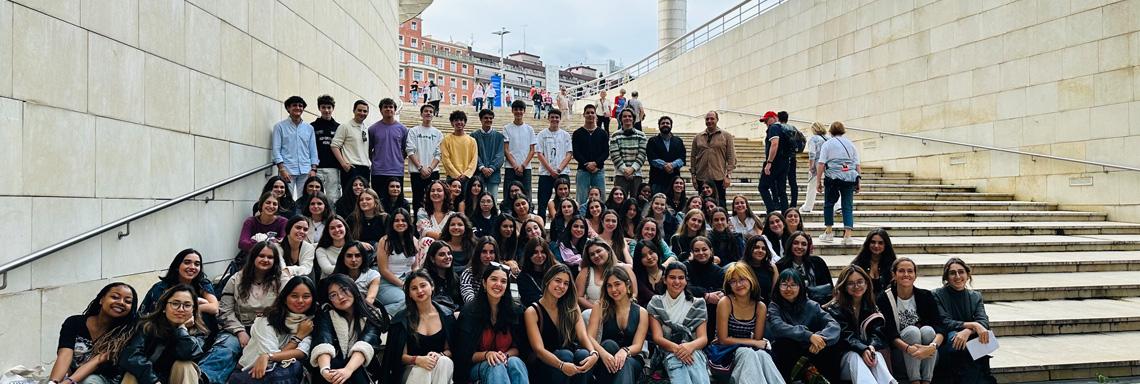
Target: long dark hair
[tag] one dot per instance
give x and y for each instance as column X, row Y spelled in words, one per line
column 428, row 206
column 613, row 204
column 773, row 238
column 639, row 271
column 474, row 261
column 843, row 300
column 286, row 248
column 411, row 310
column 677, row 265
column 358, row 216
column 471, row 201
column 863, row 259
column 609, row 306
column 750, row 247
column 342, row 268
column 447, row 274
column 789, row 257
column 397, row 242
column 286, row 201
column 155, row 324
column 567, row 238
column 508, row 315
column 526, row 265
column 327, row 240
column 726, row 239
column 467, row 239
column 280, row 309
column 475, row 211
column 248, row 270
column 360, row 309
column 673, row 199
column 118, row 333
column 387, row 202
column 618, row 235
column 172, row 277
column 326, row 215
column 508, row 246
column 796, row 305
column 568, row 313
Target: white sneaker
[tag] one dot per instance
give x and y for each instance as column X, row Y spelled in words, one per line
column 826, row 237
column 848, row 241
column 805, row 209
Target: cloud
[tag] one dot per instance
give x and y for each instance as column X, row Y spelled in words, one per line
column 563, row 32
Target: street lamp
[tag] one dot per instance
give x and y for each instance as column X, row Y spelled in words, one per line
column 502, row 62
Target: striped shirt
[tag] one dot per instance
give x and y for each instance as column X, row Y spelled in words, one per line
column 628, row 150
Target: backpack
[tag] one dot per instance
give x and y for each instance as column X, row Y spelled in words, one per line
column 800, row 140
column 795, row 138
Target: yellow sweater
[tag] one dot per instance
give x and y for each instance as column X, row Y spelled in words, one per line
column 458, row 155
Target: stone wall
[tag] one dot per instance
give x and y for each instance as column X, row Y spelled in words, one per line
column 108, row 107
column 1054, row 77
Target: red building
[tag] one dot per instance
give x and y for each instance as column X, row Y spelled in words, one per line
column 424, row 60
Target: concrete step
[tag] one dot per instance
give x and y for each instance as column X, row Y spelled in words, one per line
column 903, row 205
column 754, row 195
column 1016, row 262
column 914, row 229
column 1064, row 317
column 1066, row 357
column 965, row 216
column 1050, row 286
column 993, row 244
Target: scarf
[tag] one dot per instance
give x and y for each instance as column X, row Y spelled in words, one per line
column 676, row 308
column 345, row 332
column 805, row 270
column 293, row 320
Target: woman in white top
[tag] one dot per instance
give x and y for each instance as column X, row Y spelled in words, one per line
column 351, row 263
column 598, row 257
column 252, row 290
column 814, row 145
column 742, row 219
column 319, row 210
column 430, row 218
column 395, row 259
column 839, row 164
column 335, row 237
column 279, row 340
column 297, row 253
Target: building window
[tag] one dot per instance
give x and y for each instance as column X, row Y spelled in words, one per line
column 465, row 99
column 415, row 43
column 415, row 57
column 446, row 49
column 453, row 66
column 453, row 82
column 464, row 68
column 418, row 75
column 431, row 76
column 414, row 26
column 465, row 85
column 401, row 39
column 435, row 47
column 401, row 73
column 439, row 63
column 453, row 98
column 401, row 89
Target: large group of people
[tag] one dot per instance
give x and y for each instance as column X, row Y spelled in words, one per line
column 646, row 283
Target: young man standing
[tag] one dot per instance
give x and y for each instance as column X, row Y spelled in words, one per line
column 554, row 153
column 772, row 179
column 520, row 140
column 591, row 147
column 324, row 128
column 795, row 145
column 713, row 157
column 388, row 139
column 492, row 154
column 458, row 151
column 294, row 146
column 638, row 110
column 350, row 147
column 627, row 153
column 666, row 155
column 423, row 154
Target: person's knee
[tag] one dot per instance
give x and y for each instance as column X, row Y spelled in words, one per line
column 928, row 334
column 564, row 354
column 911, row 335
column 610, row 346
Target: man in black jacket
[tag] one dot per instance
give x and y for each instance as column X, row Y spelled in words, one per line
column 591, row 148
column 666, row 155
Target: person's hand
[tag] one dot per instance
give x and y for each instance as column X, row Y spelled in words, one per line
column 259, row 237
column 923, row 352
column 305, row 328
column 817, row 343
column 514, row 266
column 243, row 338
column 494, row 358
column 463, row 179
column 487, row 171
column 762, row 343
column 727, row 181
column 668, row 167
column 425, row 362
column 367, row 246
column 284, row 174
column 858, row 187
column 425, row 172
column 587, row 364
column 592, row 167
column 712, row 297
column 768, row 169
column 203, row 301
column 628, row 171
column 869, row 357
column 609, row 361
column 568, row 369
column 684, row 353
column 619, row 360
column 312, row 173
column 259, row 366
column 345, row 167
column 819, row 187
column 961, row 338
column 337, row 376
column 983, row 335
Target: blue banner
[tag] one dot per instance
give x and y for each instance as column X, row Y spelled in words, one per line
column 497, row 85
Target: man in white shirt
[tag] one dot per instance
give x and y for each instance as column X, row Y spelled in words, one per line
column 423, row 151
column 350, row 147
column 554, row 153
column 520, row 149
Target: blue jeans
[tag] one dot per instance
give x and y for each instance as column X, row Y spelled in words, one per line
column 218, row 363
column 513, row 372
column 557, row 377
column 478, row 104
column 585, row 180
column 630, row 373
column 391, row 296
column 833, row 190
column 695, row 373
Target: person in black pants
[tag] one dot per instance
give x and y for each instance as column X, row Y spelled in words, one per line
column 793, row 148
column 773, row 177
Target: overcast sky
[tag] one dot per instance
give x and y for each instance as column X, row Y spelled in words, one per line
column 563, row 32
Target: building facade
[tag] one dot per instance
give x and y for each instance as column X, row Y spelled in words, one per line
column 424, row 60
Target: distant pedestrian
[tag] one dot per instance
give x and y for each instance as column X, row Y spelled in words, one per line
column 477, row 98
column 839, row 164
column 795, row 145
column 603, row 111
column 638, row 110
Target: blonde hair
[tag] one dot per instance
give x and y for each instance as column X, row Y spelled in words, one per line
column 743, row 271
column 818, row 128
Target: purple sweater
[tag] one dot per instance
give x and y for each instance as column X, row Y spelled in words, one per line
column 386, row 148
column 252, row 226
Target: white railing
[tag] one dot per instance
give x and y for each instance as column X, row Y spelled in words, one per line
column 726, row 21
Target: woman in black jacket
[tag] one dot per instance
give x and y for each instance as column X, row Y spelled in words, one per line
column 757, row 257
column 876, row 258
column 347, row 333
column 860, row 329
column 726, row 244
column 913, row 325
column 537, row 259
column 812, row 268
column 161, row 349
column 488, row 335
column 706, row 279
column 412, row 356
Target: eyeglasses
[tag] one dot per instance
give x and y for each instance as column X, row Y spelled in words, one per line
column 738, row 282
column 501, row 266
column 337, row 294
column 856, row 284
column 787, row 286
column 180, row 305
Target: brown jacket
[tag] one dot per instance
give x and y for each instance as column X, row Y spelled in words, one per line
column 713, row 155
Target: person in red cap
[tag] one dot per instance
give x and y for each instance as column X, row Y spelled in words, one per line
column 777, row 152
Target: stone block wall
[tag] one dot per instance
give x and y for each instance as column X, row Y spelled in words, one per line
column 109, row 107
column 1058, row 77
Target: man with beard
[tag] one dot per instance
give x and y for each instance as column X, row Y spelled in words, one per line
column 666, row 155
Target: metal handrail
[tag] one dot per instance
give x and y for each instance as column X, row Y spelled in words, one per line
column 19, row 262
column 744, row 11
column 1104, row 166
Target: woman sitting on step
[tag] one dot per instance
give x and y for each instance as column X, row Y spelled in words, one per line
column 814, row 271
column 85, row 351
column 679, row 328
column 741, row 317
column 860, row 329
column 418, row 350
column 876, row 257
column 621, row 326
column 964, row 315
column 336, row 236
column 252, row 290
column 279, row 340
column 366, row 223
column 776, row 232
column 799, row 329
column 297, row 253
column 161, row 349
column 286, row 205
column 913, row 324
column 319, row 211
column 263, row 223
column 346, row 335
column 488, row 332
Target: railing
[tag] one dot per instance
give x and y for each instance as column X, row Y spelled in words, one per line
column 733, row 17
column 19, row 262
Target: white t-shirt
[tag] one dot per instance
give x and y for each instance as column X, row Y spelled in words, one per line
column 520, row 137
column 424, row 143
column 908, row 312
column 555, row 146
column 834, row 154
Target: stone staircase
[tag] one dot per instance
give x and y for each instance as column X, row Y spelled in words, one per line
column 1062, row 287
